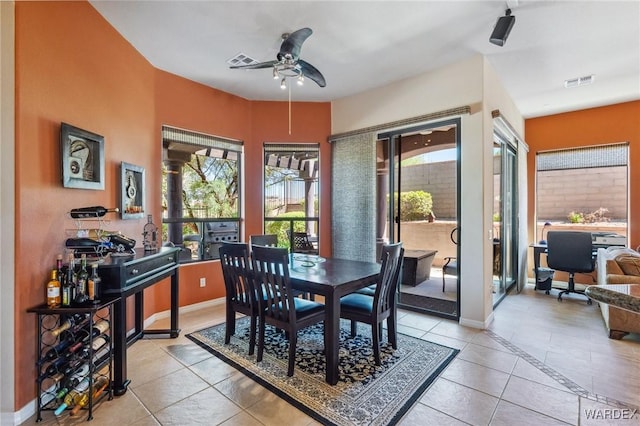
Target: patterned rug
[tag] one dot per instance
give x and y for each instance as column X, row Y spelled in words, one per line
column 364, row 395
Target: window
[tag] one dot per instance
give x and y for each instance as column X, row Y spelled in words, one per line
column 583, row 189
column 200, row 192
column 291, row 176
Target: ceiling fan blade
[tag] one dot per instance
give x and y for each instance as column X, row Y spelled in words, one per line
column 268, row 64
column 290, row 47
column 309, row 71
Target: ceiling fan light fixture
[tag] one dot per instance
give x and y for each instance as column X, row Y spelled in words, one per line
column 300, row 80
column 502, row 28
column 283, row 83
column 275, row 73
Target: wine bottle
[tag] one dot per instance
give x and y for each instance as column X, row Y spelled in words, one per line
column 75, row 379
column 75, row 319
column 73, row 396
column 53, row 291
column 99, row 385
column 64, row 365
column 93, row 211
column 100, row 327
column 150, row 235
column 57, row 350
column 94, row 284
column 81, row 284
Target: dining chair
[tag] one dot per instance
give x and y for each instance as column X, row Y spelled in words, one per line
column 269, row 240
column 373, row 310
column 241, row 295
column 279, row 307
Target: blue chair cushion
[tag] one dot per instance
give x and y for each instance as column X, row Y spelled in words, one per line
column 369, row 291
column 357, row 302
column 306, row 307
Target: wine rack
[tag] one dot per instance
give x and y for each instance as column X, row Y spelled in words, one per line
column 74, row 357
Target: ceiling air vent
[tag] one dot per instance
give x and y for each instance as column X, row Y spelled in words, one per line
column 579, row 81
column 241, row 59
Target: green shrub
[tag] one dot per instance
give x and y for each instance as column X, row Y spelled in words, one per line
column 576, row 217
column 415, row 205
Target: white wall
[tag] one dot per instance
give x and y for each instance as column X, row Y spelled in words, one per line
column 7, row 216
column 470, row 83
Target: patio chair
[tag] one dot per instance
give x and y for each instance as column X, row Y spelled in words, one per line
column 450, row 266
column 358, row 307
column 279, row 307
column 269, row 240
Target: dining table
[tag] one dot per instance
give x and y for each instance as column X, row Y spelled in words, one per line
column 331, row 278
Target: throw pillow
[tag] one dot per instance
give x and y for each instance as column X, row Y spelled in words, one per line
column 630, row 264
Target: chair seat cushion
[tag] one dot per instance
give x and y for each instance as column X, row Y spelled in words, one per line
column 306, row 307
column 357, row 302
column 369, row 291
column 451, row 266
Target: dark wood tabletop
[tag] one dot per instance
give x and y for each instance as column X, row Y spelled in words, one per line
column 331, row 278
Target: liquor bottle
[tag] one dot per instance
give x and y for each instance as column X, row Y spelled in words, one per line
column 96, row 345
column 94, row 284
column 75, row 319
column 73, row 396
column 99, row 385
column 150, row 235
column 81, row 284
column 93, row 211
column 53, row 290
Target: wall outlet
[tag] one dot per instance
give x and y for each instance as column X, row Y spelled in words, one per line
column 203, row 282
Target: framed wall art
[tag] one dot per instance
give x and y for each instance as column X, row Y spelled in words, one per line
column 132, row 191
column 82, row 154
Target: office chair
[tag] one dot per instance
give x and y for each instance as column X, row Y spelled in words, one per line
column 570, row 251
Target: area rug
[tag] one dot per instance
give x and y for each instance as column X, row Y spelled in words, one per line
column 365, row 394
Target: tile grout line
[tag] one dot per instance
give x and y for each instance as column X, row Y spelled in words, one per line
column 553, row 374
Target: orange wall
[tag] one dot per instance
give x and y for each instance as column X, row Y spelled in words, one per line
column 72, row 66
column 595, row 126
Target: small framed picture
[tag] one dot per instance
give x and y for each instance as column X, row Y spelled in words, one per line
column 132, row 191
column 82, row 154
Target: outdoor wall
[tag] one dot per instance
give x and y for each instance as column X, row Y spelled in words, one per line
column 560, row 192
column 438, row 179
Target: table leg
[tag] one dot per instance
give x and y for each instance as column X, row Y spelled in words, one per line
column 119, row 321
column 332, row 337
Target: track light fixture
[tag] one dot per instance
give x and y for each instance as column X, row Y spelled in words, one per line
column 502, row 29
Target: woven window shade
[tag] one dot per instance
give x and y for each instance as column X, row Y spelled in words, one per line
column 353, row 197
column 581, row 158
column 173, row 135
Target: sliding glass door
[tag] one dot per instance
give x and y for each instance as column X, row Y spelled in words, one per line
column 505, row 223
column 417, row 204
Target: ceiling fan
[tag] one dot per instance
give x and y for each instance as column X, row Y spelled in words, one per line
column 288, row 63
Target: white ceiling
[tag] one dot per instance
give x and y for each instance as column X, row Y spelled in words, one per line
column 360, row 45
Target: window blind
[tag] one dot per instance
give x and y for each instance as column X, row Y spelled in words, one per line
column 586, row 157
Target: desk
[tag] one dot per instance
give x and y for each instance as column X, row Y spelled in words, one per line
column 129, row 275
column 625, row 296
column 332, row 279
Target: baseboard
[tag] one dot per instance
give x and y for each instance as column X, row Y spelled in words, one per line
column 477, row 324
column 29, row 409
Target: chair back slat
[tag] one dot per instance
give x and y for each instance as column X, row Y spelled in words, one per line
column 387, row 282
column 236, row 271
column 271, row 272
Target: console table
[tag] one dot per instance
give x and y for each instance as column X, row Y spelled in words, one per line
column 128, row 276
column 416, row 266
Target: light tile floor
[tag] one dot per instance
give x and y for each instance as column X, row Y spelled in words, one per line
column 541, row 362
